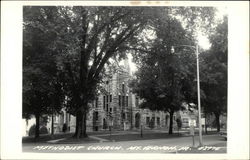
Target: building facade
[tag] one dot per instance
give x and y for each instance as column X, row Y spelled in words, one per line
column 115, row 106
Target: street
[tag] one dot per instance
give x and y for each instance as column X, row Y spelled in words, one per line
column 183, row 144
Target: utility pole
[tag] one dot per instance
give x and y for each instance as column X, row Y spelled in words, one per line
column 198, row 93
column 198, row 85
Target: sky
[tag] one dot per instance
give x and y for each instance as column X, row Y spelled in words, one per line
column 202, row 39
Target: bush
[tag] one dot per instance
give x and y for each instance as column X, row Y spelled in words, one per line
column 42, row 130
column 32, row 130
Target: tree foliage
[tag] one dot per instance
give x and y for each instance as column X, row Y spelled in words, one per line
column 214, row 73
column 164, row 79
column 102, row 33
column 67, row 48
column 42, row 90
column 85, row 38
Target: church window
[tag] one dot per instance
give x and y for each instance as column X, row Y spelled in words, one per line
column 96, row 102
column 147, row 121
column 158, row 120
column 119, row 100
column 123, row 100
column 107, row 107
column 96, row 116
column 103, row 102
column 126, row 101
column 123, row 88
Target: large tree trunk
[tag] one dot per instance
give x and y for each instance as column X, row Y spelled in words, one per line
column 81, row 118
column 83, row 131
column 76, row 130
column 78, row 124
column 37, row 125
column 217, row 119
column 171, row 123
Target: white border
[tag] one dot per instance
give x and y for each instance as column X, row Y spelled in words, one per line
column 11, row 81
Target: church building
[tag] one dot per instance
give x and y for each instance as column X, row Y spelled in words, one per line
column 116, row 106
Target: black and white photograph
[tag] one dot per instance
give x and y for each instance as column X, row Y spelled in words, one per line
column 135, row 78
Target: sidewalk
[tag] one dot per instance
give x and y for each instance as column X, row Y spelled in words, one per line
column 107, row 136
column 132, row 136
column 119, row 136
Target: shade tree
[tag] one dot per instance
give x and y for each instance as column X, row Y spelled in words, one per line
column 214, row 73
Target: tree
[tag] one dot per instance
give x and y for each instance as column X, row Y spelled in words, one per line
column 86, row 38
column 164, row 78
column 41, row 87
column 95, row 34
column 214, row 77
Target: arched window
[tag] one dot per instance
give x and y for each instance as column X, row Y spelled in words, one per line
column 123, row 87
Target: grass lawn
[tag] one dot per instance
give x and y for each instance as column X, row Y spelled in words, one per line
column 125, row 136
column 47, row 137
column 71, row 140
column 145, row 136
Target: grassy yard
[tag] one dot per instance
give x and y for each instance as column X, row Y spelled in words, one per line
column 145, row 136
column 46, row 137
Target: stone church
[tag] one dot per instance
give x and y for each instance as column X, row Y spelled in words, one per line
column 115, row 107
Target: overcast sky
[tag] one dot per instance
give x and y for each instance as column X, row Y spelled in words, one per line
column 202, row 39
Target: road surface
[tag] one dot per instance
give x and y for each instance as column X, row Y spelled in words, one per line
column 211, row 144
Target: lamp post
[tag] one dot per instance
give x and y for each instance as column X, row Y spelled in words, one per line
column 195, row 48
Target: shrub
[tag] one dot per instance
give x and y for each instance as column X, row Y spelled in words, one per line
column 42, row 130
column 32, row 130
